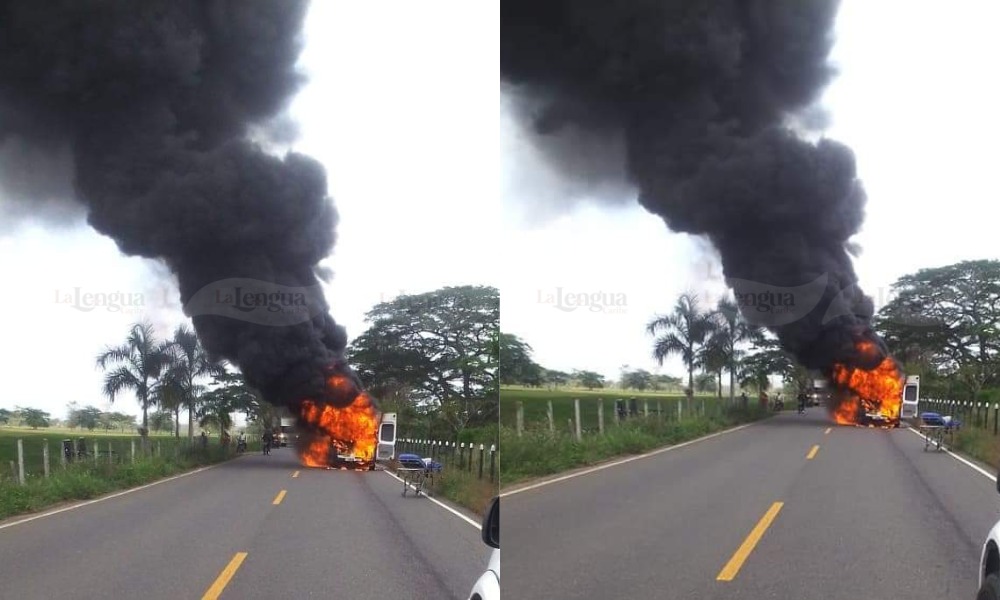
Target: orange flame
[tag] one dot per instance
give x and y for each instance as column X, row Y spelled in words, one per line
column 878, row 391
column 352, row 428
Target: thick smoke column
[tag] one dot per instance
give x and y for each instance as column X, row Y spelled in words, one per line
column 155, row 101
column 703, row 93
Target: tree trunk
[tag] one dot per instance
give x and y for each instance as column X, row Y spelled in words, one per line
column 719, row 374
column 177, row 422
column 191, row 423
column 732, row 386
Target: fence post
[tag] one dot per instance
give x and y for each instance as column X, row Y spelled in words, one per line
column 20, row 461
column 600, row 416
column 62, row 454
column 461, row 455
column 520, row 418
column 158, row 453
column 996, row 416
column 645, row 409
column 97, row 450
column 493, row 461
column 680, row 414
column 659, row 411
column 552, row 420
column 45, row 457
column 133, row 450
column 569, row 425
column 471, row 452
column 576, row 412
column 481, row 455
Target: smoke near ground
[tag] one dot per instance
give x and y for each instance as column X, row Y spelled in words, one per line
column 146, row 110
column 711, row 100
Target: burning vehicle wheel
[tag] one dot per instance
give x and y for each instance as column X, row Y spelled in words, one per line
column 990, row 589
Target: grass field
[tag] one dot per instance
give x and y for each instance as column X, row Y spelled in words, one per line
column 536, row 407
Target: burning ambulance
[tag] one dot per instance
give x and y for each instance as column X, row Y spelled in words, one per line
column 354, row 436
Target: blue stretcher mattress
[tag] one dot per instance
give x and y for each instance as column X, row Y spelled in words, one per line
column 413, row 461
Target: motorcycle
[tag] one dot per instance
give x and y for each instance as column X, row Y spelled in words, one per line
column 779, row 405
column 241, row 446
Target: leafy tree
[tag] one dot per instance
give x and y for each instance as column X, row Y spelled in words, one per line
column 638, row 380
column 34, row 417
column 162, row 420
column 705, row 382
column 947, row 320
column 231, row 394
column 442, row 345
column 136, row 366
column 552, row 377
column 518, row 366
column 684, row 331
column 88, row 417
column 770, row 359
column 589, row 379
column 5, row 416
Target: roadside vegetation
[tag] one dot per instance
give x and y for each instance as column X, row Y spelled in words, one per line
column 87, row 479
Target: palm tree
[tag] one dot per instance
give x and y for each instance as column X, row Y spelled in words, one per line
column 189, row 362
column 714, row 359
column 135, row 365
column 684, row 331
column 729, row 331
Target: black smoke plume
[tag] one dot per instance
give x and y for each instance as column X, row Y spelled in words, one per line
column 156, row 101
column 705, row 94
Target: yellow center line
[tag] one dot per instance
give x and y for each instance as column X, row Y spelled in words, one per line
column 295, row 474
column 280, row 497
column 728, row 572
column 812, row 453
column 828, row 430
column 222, row 580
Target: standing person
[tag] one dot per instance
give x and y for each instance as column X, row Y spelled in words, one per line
column 268, row 438
column 802, row 400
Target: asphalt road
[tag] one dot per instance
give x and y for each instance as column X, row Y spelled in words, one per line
column 870, row 515
column 333, row 534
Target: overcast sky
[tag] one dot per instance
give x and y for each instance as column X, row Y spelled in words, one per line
column 401, row 109
column 915, row 101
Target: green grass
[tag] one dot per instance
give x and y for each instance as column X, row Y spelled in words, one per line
column 84, row 480
column 33, row 442
column 536, row 407
column 539, row 452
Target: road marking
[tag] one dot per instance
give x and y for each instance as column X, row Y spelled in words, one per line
column 828, row 430
column 812, row 452
column 616, row 463
column 728, row 573
column 295, row 475
column 223, row 579
column 279, row 497
column 979, row 469
column 441, row 504
column 108, row 497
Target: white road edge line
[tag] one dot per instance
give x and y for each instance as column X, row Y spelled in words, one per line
column 962, row 460
column 108, row 497
column 622, row 461
column 441, row 504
